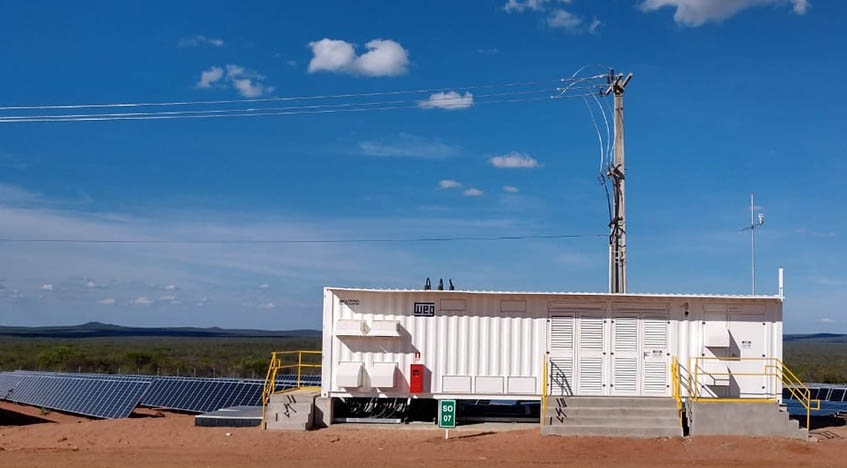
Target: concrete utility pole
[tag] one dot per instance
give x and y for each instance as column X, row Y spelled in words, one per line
column 617, row 226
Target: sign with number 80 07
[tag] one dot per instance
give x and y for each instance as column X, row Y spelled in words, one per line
column 447, row 414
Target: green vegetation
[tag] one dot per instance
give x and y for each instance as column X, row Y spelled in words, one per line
column 821, row 360
column 814, row 358
column 203, row 357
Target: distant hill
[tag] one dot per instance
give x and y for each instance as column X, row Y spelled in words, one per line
column 97, row 329
column 815, row 338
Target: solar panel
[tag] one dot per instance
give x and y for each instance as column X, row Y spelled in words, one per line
column 97, row 397
column 115, row 396
column 202, row 395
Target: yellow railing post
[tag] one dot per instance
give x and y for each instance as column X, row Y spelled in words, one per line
column 299, row 367
column 544, row 390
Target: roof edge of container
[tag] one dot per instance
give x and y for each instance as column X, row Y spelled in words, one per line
column 561, row 293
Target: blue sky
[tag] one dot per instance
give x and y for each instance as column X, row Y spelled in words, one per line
column 728, row 97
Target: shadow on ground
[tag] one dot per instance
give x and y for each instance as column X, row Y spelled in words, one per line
column 12, row 418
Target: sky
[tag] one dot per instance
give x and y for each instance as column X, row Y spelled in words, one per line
column 723, row 103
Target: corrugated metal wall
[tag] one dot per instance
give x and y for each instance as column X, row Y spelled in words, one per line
column 490, row 344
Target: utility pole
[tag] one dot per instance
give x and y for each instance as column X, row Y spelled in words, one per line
column 752, row 228
column 617, row 226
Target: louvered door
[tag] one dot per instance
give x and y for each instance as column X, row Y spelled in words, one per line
column 561, row 339
column 624, row 355
column 592, row 357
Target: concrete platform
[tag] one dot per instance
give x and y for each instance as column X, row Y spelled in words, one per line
column 236, row 416
column 738, row 418
column 636, row 417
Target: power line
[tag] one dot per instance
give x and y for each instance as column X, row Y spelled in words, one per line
column 448, row 101
column 259, row 113
column 291, row 98
column 299, row 241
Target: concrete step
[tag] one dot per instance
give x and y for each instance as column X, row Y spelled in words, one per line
column 293, row 397
column 294, row 408
column 288, row 426
column 613, row 402
column 630, row 421
column 290, row 411
column 607, row 430
column 578, row 411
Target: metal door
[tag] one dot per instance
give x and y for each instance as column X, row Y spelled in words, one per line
column 746, row 349
column 561, row 354
column 624, row 355
column 655, row 355
column 592, row 357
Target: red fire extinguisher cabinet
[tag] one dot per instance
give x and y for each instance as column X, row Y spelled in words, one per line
column 416, row 378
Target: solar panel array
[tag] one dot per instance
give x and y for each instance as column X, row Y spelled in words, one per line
column 115, row 396
column 97, row 397
column 833, row 400
column 204, row 395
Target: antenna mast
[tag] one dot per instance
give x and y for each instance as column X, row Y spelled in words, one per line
column 617, row 225
column 752, row 227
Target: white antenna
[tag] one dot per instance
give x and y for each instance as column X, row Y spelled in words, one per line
column 752, row 228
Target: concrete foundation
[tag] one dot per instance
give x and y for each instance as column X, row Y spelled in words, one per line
column 612, row 416
column 752, row 419
column 290, row 411
column 322, row 412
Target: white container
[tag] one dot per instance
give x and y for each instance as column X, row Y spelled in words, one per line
column 494, row 345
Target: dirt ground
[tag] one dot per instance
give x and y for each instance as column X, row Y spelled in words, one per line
column 153, row 439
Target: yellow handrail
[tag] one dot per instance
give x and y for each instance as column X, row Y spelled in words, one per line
column 276, row 365
column 544, row 391
column 675, row 386
column 771, row 368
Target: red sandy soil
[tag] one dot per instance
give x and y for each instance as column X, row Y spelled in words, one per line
column 153, row 439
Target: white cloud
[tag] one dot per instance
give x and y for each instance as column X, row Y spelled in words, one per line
column 46, row 287
column 13, row 195
column 331, row 55
column 167, row 298
column 247, row 82
column 409, row 146
column 594, row 26
column 171, row 287
column 510, row 189
column 800, row 6
column 450, row 100
column 449, row 184
column 264, row 286
column 141, row 300
column 383, row 57
column 210, row 77
column 91, row 284
column 697, row 12
column 491, row 51
column 556, row 18
column 267, row 306
column 473, row 192
column 107, row 301
column 519, row 6
column 514, row 160
column 562, row 19
column 826, row 320
column 199, row 40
